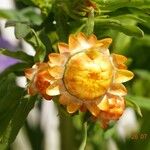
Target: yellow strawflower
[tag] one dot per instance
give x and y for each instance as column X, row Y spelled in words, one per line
column 88, row 77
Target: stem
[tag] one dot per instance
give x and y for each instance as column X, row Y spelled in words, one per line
column 90, row 22
column 83, row 144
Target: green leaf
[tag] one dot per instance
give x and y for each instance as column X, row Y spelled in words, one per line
column 44, row 5
column 31, row 14
column 10, row 95
column 21, row 30
column 17, row 68
column 34, row 39
column 142, row 102
column 18, row 55
column 83, row 144
column 8, row 14
column 115, row 4
column 128, row 29
column 28, row 15
column 17, row 120
column 134, row 106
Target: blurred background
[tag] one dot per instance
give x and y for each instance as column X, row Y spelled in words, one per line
column 46, row 128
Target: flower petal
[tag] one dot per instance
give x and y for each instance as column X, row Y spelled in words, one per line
column 32, row 90
column 74, row 45
column 92, row 39
column 73, row 107
column 63, row 47
column 64, row 99
column 56, row 59
column 118, row 89
column 112, row 100
column 121, row 66
column 56, row 72
column 44, row 75
column 29, row 73
column 104, row 105
column 123, row 76
column 53, row 90
column 105, row 42
column 119, row 59
column 92, row 107
column 82, row 39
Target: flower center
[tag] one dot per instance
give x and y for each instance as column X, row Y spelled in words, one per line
column 88, row 75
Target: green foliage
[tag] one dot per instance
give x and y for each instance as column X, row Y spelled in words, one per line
column 18, row 55
column 27, row 15
column 134, row 105
column 44, row 5
column 143, row 102
column 16, row 108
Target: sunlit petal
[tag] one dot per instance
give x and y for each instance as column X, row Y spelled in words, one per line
column 56, row 59
column 56, row 72
column 105, row 42
column 123, row 76
column 92, row 39
column 65, row 99
column 92, row 107
column 103, row 105
column 119, row 59
column 73, row 107
column 118, row 89
column 63, row 47
column 29, row 73
column 53, row 90
column 82, row 39
column 74, row 44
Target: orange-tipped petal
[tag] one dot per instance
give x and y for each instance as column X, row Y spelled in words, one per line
column 119, row 59
column 105, row 42
column 121, row 66
column 44, row 75
column 56, row 59
column 92, row 39
column 92, row 107
column 74, row 45
column 29, row 73
column 123, row 76
column 32, row 90
column 103, row 105
column 82, row 39
column 64, row 99
column 53, row 90
column 112, row 101
column 118, row 89
column 63, row 47
column 56, row 72
column 73, row 107
column 40, row 65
